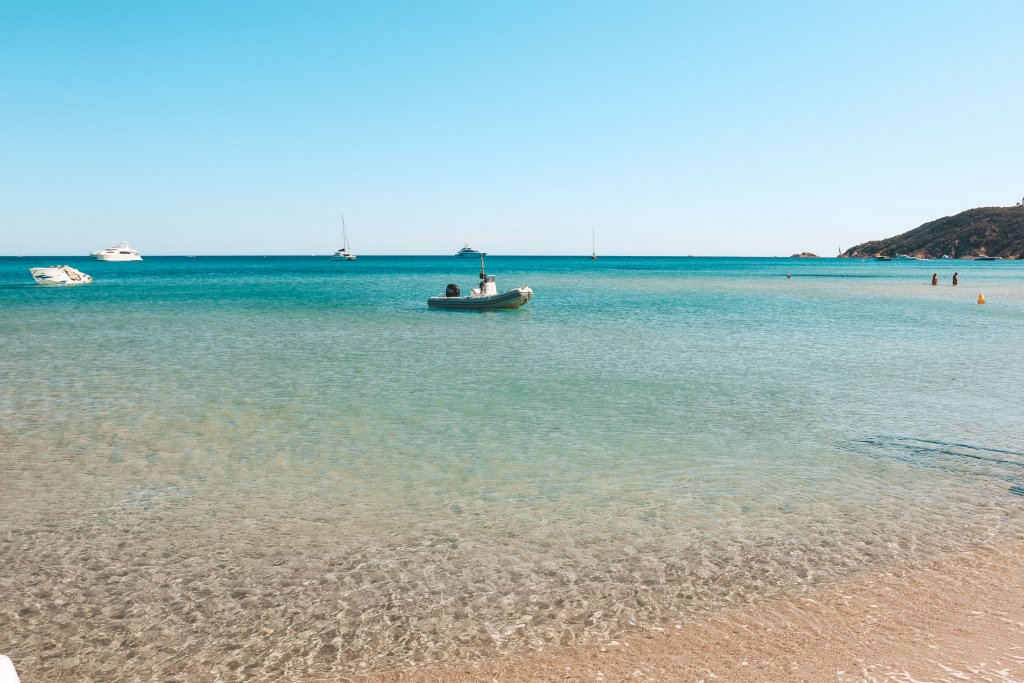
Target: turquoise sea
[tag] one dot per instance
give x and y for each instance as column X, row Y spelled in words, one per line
column 287, row 468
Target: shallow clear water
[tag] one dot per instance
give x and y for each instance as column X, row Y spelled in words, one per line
column 280, row 468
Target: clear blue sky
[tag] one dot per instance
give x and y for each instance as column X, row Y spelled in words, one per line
column 725, row 128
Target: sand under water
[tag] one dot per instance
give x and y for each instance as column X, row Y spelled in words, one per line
column 958, row 618
column 290, row 469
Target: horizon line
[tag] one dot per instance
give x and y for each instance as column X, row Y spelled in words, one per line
column 488, row 255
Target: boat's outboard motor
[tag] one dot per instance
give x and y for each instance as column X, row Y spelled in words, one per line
column 452, row 290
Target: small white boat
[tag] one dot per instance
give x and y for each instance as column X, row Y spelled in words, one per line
column 484, row 298
column 988, row 258
column 344, row 254
column 118, row 252
column 59, row 275
column 469, row 251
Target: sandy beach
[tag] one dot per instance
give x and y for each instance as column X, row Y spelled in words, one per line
column 959, row 618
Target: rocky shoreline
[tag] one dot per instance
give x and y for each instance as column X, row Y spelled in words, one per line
column 984, row 233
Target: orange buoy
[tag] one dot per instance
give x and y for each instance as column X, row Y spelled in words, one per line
column 981, row 298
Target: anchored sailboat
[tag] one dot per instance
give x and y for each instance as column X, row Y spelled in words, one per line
column 593, row 246
column 344, row 254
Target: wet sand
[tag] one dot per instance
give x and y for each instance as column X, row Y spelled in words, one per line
column 959, row 618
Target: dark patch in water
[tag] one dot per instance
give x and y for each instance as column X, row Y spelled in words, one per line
column 959, row 458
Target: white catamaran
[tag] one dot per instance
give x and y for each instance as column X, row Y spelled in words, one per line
column 344, row 254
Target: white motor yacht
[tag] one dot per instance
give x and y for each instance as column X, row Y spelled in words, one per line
column 469, row 251
column 118, row 252
column 59, row 275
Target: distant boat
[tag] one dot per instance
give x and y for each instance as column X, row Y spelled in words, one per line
column 904, row 257
column 470, row 251
column 593, row 246
column 59, row 275
column 988, row 258
column 344, row 254
column 484, row 298
column 883, row 258
column 118, row 252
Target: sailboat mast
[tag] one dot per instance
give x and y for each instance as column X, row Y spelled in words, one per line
column 344, row 233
